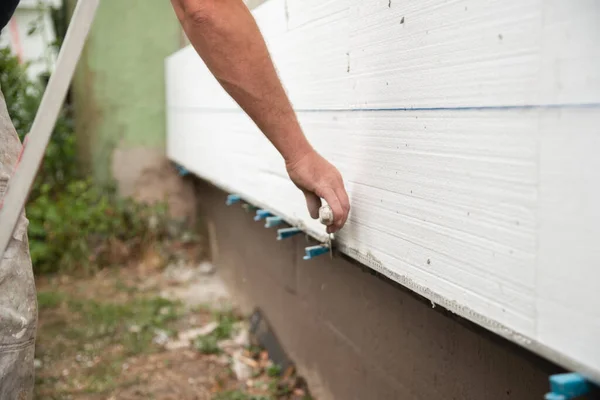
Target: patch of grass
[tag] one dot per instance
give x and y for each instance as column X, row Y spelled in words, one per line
column 237, row 395
column 49, row 299
column 136, row 322
column 123, row 287
column 88, row 329
column 104, row 318
column 104, row 377
column 274, row 370
column 226, row 320
column 209, row 344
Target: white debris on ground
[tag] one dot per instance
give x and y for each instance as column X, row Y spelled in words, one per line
column 196, row 285
column 253, row 370
column 234, row 350
column 242, row 339
column 242, row 367
column 185, row 339
column 161, row 337
column 206, row 268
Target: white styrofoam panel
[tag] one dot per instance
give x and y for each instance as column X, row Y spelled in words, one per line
column 444, row 54
column 568, row 274
column 467, row 136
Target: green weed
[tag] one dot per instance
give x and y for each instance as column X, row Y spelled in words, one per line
column 237, row 395
column 208, row 344
column 49, row 299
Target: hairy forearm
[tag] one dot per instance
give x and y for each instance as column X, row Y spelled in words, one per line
column 225, row 35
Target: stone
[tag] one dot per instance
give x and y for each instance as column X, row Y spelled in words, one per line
column 242, row 371
column 206, row 268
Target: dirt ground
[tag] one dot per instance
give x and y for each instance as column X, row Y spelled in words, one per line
column 144, row 332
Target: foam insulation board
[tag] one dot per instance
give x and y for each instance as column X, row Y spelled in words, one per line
column 468, row 135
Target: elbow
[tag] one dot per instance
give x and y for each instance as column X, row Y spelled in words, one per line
column 199, row 12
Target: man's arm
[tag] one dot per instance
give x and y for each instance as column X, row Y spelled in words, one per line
column 226, row 37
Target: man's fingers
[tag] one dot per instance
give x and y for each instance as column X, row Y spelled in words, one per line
column 344, row 201
column 313, row 202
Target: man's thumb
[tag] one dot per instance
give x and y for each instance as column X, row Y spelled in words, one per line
column 313, row 202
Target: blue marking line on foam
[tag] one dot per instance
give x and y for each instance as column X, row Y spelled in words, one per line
column 422, row 108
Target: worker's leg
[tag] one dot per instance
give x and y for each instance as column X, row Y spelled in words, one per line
column 18, row 305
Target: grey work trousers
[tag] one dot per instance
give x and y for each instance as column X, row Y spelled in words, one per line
column 18, row 303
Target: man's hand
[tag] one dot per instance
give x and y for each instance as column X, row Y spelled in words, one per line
column 318, row 179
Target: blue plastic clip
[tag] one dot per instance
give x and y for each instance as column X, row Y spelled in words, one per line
column 287, row 232
column 273, row 221
column 232, row 199
column 315, row 251
column 567, row 386
column 181, row 170
column 261, row 214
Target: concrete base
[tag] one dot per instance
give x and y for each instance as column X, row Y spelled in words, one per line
column 146, row 175
column 356, row 335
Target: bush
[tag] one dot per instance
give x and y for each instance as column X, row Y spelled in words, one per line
column 22, row 99
column 72, row 222
column 82, row 225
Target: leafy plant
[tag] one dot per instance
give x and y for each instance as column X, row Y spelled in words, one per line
column 73, row 223
column 83, row 225
column 23, row 97
column 208, row 344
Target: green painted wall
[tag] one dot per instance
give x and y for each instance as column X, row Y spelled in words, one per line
column 119, row 90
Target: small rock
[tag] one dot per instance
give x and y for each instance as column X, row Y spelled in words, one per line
column 153, row 222
column 179, row 273
column 202, row 331
column 242, row 371
column 242, row 339
column 161, row 337
column 164, row 310
column 206, row 268
column 185, row 338
column 135, row 329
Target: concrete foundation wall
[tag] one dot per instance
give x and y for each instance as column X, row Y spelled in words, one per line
column 356, row 335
